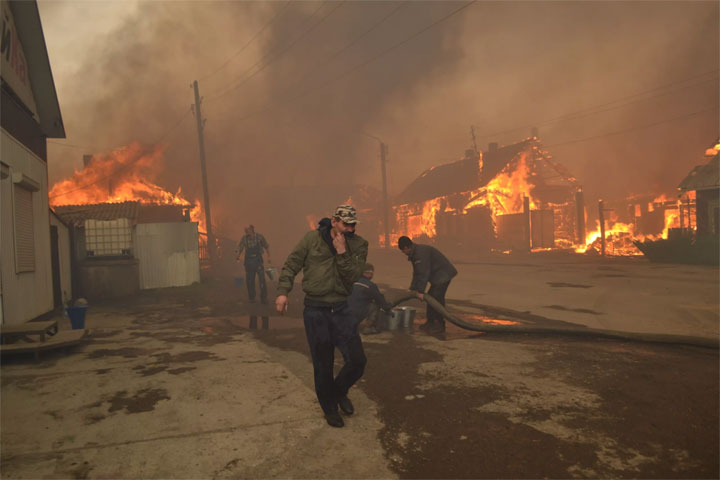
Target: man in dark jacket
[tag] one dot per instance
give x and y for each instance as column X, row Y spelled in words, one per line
column 331, row 259
column 253, row 244
column 366, row 301
column 429, row 265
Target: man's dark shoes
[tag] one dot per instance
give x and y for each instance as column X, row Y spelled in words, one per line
column 346, row 406
column 334, row 420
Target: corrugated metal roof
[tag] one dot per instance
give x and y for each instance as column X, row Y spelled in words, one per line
column 703, row 177
column 134, row 211
column 77, row 214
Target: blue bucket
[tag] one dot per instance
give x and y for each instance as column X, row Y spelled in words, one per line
column 238, row 282
column 77, row 316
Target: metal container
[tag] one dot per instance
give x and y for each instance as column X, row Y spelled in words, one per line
column 271, row 273
column 401, row 318
column 408, row 317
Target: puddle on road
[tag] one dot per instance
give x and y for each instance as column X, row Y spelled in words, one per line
column 143, row 401
column 230, row 325
column 273, row 323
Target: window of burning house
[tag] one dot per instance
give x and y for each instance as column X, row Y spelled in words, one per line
column 108, row 238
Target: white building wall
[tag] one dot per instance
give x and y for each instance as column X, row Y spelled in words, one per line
column 25, row 295
column 168, row 254
column 64, row 252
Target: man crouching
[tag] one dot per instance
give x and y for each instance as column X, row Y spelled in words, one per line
column 331, row 259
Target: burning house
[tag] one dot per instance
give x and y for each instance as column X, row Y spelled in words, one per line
column 508, row 198
column 703, row 184
column 127, row 232
column 692, row 234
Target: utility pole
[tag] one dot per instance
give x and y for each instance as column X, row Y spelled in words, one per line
column 474, row 140
column 580, row 205
column 206, row 195
column 386, row 216
column 527, row 227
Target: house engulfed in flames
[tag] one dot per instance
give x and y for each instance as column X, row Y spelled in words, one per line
column 126, row 232
column 510, row 198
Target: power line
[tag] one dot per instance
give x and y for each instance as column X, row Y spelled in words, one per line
column 592, row 110
column 362, row 64
column 248, row 43
column 271, row 58
column 639, row 127
column 181, row 119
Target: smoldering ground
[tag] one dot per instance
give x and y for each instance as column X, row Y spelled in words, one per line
column 289, row 89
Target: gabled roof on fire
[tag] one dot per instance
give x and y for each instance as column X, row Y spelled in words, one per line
column 460, row 176
column 703, row 177
column 134, row 211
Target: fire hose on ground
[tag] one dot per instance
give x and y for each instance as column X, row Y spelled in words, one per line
column 579, row 331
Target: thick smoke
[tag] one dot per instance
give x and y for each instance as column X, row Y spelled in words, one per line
column 495, row 65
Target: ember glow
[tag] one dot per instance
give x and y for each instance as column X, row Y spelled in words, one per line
column 619, row 236
column 125, row 174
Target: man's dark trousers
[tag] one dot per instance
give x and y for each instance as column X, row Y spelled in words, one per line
column 437, row 292
column 251, row 269
column 328, row 327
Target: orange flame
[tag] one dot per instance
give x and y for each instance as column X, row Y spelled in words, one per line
column 125, row 174
column 619, row 236
column 504, row 193
column 312, row 221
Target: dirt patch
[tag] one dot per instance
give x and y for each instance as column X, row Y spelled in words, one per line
column 126, row 352
column 92, row 418
column 101, row 333
column 208, row 339
column 143, row 401
column 185, row 357
column 146, row 371
column 178, row 371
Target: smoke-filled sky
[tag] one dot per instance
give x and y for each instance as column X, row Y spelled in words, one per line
column 123, row 72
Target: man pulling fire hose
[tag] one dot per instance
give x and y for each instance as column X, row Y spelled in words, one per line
column 429, row 265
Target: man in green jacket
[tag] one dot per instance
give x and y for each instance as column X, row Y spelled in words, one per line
column 331, row 258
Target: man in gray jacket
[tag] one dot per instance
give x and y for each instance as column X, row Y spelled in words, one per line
column 429, row 265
